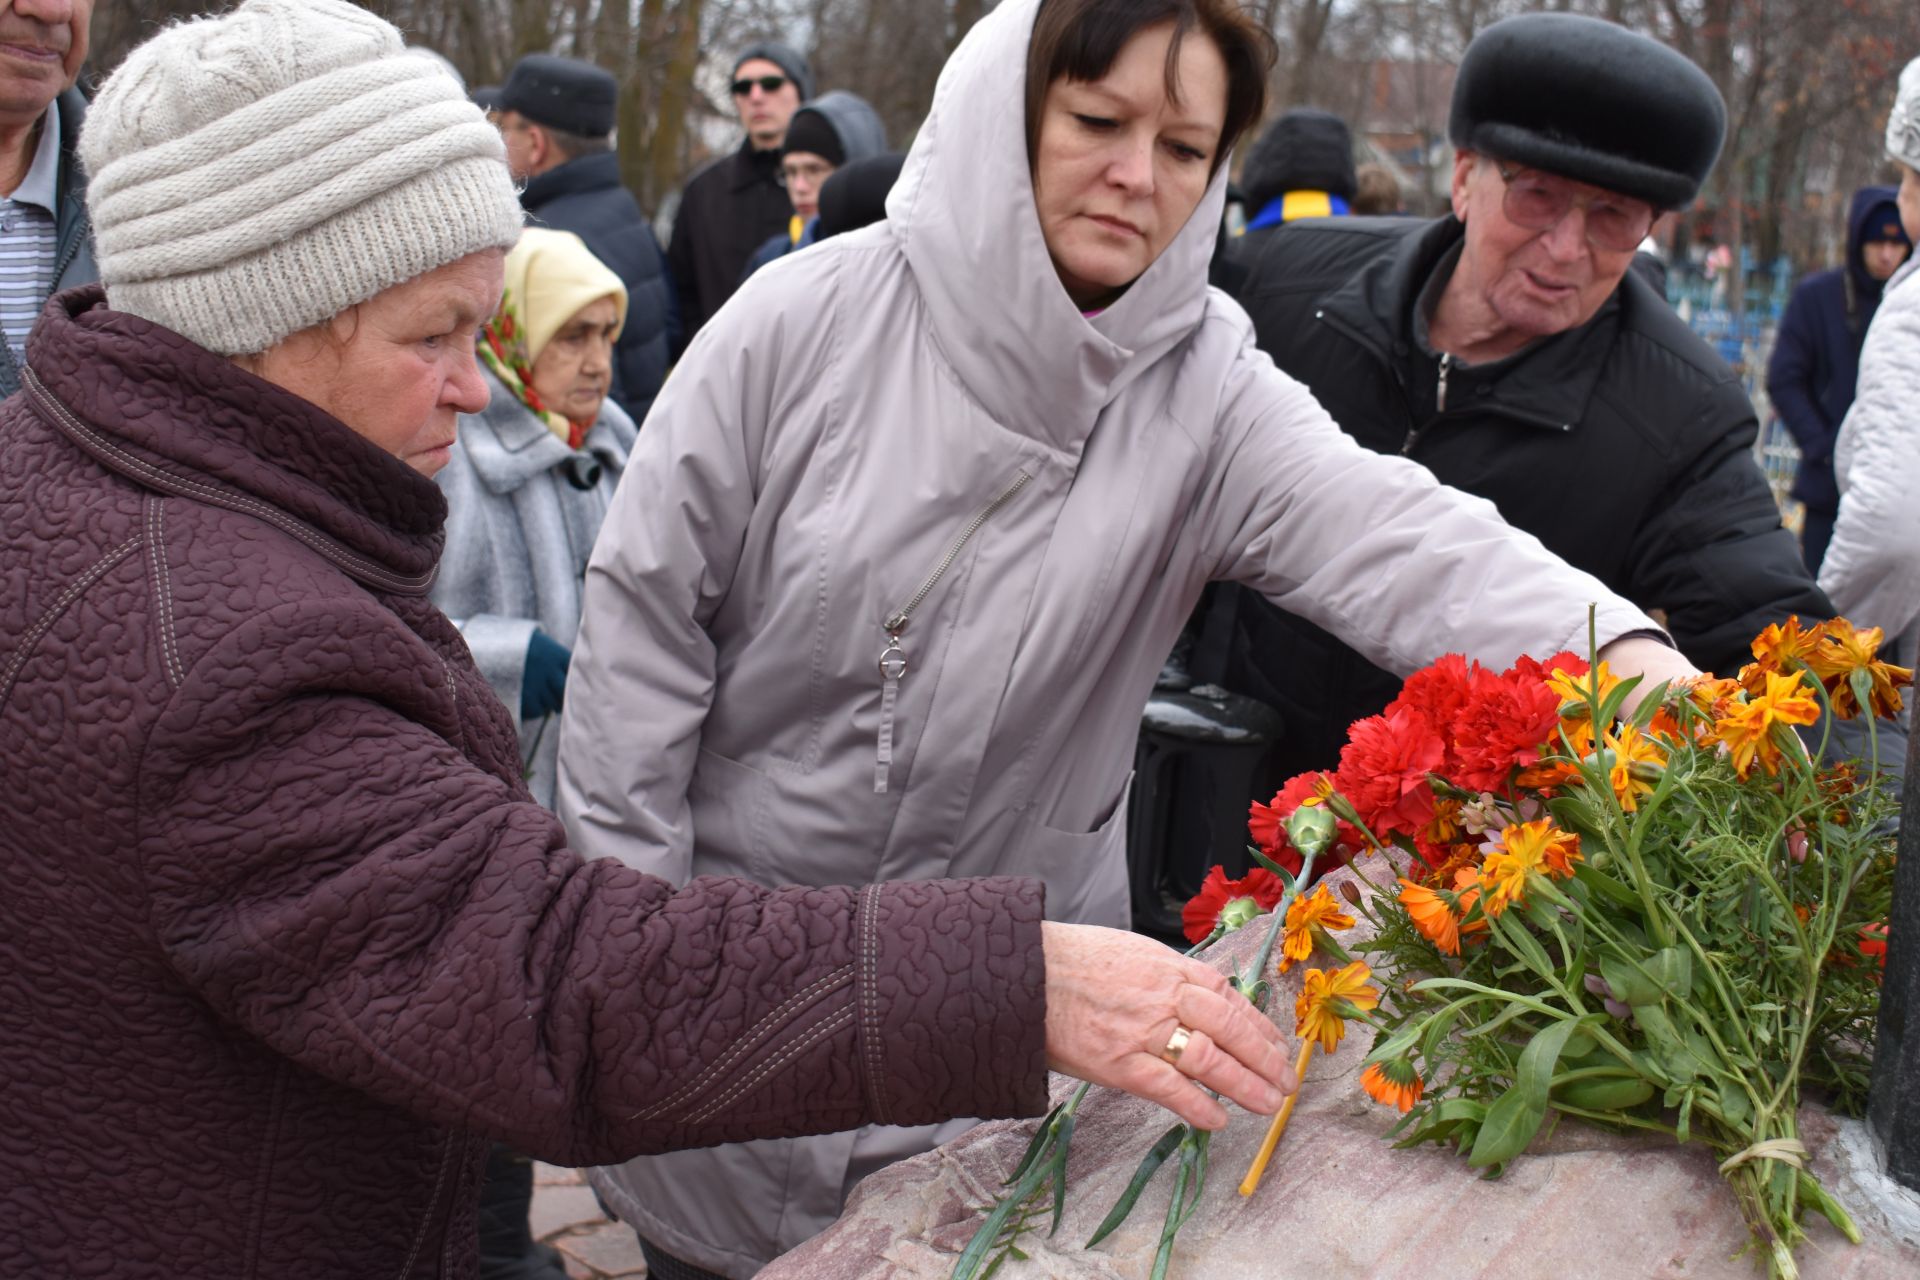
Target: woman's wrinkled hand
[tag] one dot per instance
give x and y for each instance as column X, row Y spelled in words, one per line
column 1114, row 1002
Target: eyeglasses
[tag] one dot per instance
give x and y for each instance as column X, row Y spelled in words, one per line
column 768, row 84
column 815, row 172
column 1538, row 201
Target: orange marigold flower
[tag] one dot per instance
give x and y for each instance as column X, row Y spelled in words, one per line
column 1394, row 1082
column 1466, row 888
column 1637, row 761
column 1844, row 651
column 1431, row 915
column 1527, row 848
column 1574, row 689
column 1307, row 917
column 1780, row 649
column 1327, row 1000
column 1748, row 729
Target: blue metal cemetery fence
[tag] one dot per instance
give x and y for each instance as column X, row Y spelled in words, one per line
column 1746, row 343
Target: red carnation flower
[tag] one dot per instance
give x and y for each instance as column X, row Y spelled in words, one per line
column 1439, row 693
column 1260, row 887
column 1384, row 767
column 1267, row 825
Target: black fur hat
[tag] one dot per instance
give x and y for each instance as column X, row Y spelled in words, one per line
column 1590, row 101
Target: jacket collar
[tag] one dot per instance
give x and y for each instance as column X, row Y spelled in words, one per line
column 747, row 167
column 587, row 173
column 1548, row 384
column 174, row 417
column 508, row 446
column 963, row 214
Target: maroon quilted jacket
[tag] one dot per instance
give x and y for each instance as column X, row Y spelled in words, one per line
column 281, row 935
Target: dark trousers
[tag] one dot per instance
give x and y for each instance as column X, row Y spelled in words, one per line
column 508, row 1250
column 1815, row 534
column 662, row 1265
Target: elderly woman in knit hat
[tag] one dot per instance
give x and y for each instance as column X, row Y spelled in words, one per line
column 285, row 940
column 530, row 478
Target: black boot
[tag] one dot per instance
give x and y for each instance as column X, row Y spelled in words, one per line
column 508, row 1250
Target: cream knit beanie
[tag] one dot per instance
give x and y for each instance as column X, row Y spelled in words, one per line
column 255, row 173
column 1903, row 126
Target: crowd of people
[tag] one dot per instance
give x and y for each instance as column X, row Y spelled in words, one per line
column 477, row 685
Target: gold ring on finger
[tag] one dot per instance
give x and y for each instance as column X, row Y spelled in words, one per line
column 1176, row 1044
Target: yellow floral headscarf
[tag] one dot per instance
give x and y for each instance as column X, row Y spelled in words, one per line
column 550, row 276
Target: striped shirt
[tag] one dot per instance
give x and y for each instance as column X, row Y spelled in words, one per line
column 29, row 239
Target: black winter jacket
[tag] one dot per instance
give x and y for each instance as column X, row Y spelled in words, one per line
column 729, row 209
column 585, row 196
column 1623, row 445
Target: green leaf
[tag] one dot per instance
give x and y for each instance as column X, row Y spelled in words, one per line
column 1514, row 937
column 1610, row 709
column 1607, row 886
column 1496, row 1022
column 1040, row 1137
column 1059, row 1167
column 1285, row 875
column 1149, row 1165
column 1672, row 968
column 1644, row 713
column 1579, row 1045
column 1630, row 985
column 1821, row 1199
column 1604, row 1093
column 1663, row 1039
column 1735, row 1107
column 1515, row 1115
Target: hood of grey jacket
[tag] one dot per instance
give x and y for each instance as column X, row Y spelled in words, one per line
column 963, row 210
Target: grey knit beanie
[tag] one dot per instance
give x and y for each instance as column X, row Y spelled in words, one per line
column 255, row 173
column 1903, row 126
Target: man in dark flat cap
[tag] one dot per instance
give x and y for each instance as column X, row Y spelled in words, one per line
column 556, row 116
column 737, row 203
column 1508, row 349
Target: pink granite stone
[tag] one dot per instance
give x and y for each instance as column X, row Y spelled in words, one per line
column 1339, row 1201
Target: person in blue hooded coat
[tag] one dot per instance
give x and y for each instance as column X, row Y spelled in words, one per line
column 1816, row 356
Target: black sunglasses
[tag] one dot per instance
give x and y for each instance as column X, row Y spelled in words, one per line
column 768, row 84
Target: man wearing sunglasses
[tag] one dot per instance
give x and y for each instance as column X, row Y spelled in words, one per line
column 1508, row 349
column 731, row 207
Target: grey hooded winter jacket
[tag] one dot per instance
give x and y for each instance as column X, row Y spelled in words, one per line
column 816, row 458
column 518, row 534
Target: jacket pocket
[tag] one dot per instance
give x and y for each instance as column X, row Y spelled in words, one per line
column 1085, row 872
column 730, row 803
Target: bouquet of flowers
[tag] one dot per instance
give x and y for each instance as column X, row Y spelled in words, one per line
column 1667, row 920
column 1653, row 915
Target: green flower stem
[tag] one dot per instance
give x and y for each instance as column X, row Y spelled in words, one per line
column 1257, row 974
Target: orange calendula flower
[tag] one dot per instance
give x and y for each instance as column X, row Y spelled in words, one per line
column 1466, row 888
column 1559, row 769
column 1748, row 728
column 1431, row 915
column 1637, row 762
column 1327, row 1000
column 1780, row 649
column 1394, row 1082
column 1843, row 652
column 1526, row 848
column 1306, row 918
column 1575, row 690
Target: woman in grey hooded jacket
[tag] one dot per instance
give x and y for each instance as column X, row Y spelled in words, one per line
column 919, row 515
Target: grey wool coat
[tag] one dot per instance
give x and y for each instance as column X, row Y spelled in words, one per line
column 518, row 536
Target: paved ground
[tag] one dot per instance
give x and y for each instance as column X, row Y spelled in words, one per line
column 566, row 1216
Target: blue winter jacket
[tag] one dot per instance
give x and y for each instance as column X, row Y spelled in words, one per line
column 1816, row 354
column 585, row 196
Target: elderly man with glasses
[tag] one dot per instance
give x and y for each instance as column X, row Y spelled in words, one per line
column 731, row 207
column 1507, row 348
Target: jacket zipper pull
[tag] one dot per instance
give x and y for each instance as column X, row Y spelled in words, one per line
column 1440, row 398
column 893, row 665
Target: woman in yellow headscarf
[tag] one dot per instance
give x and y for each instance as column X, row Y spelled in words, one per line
column 530, row 480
